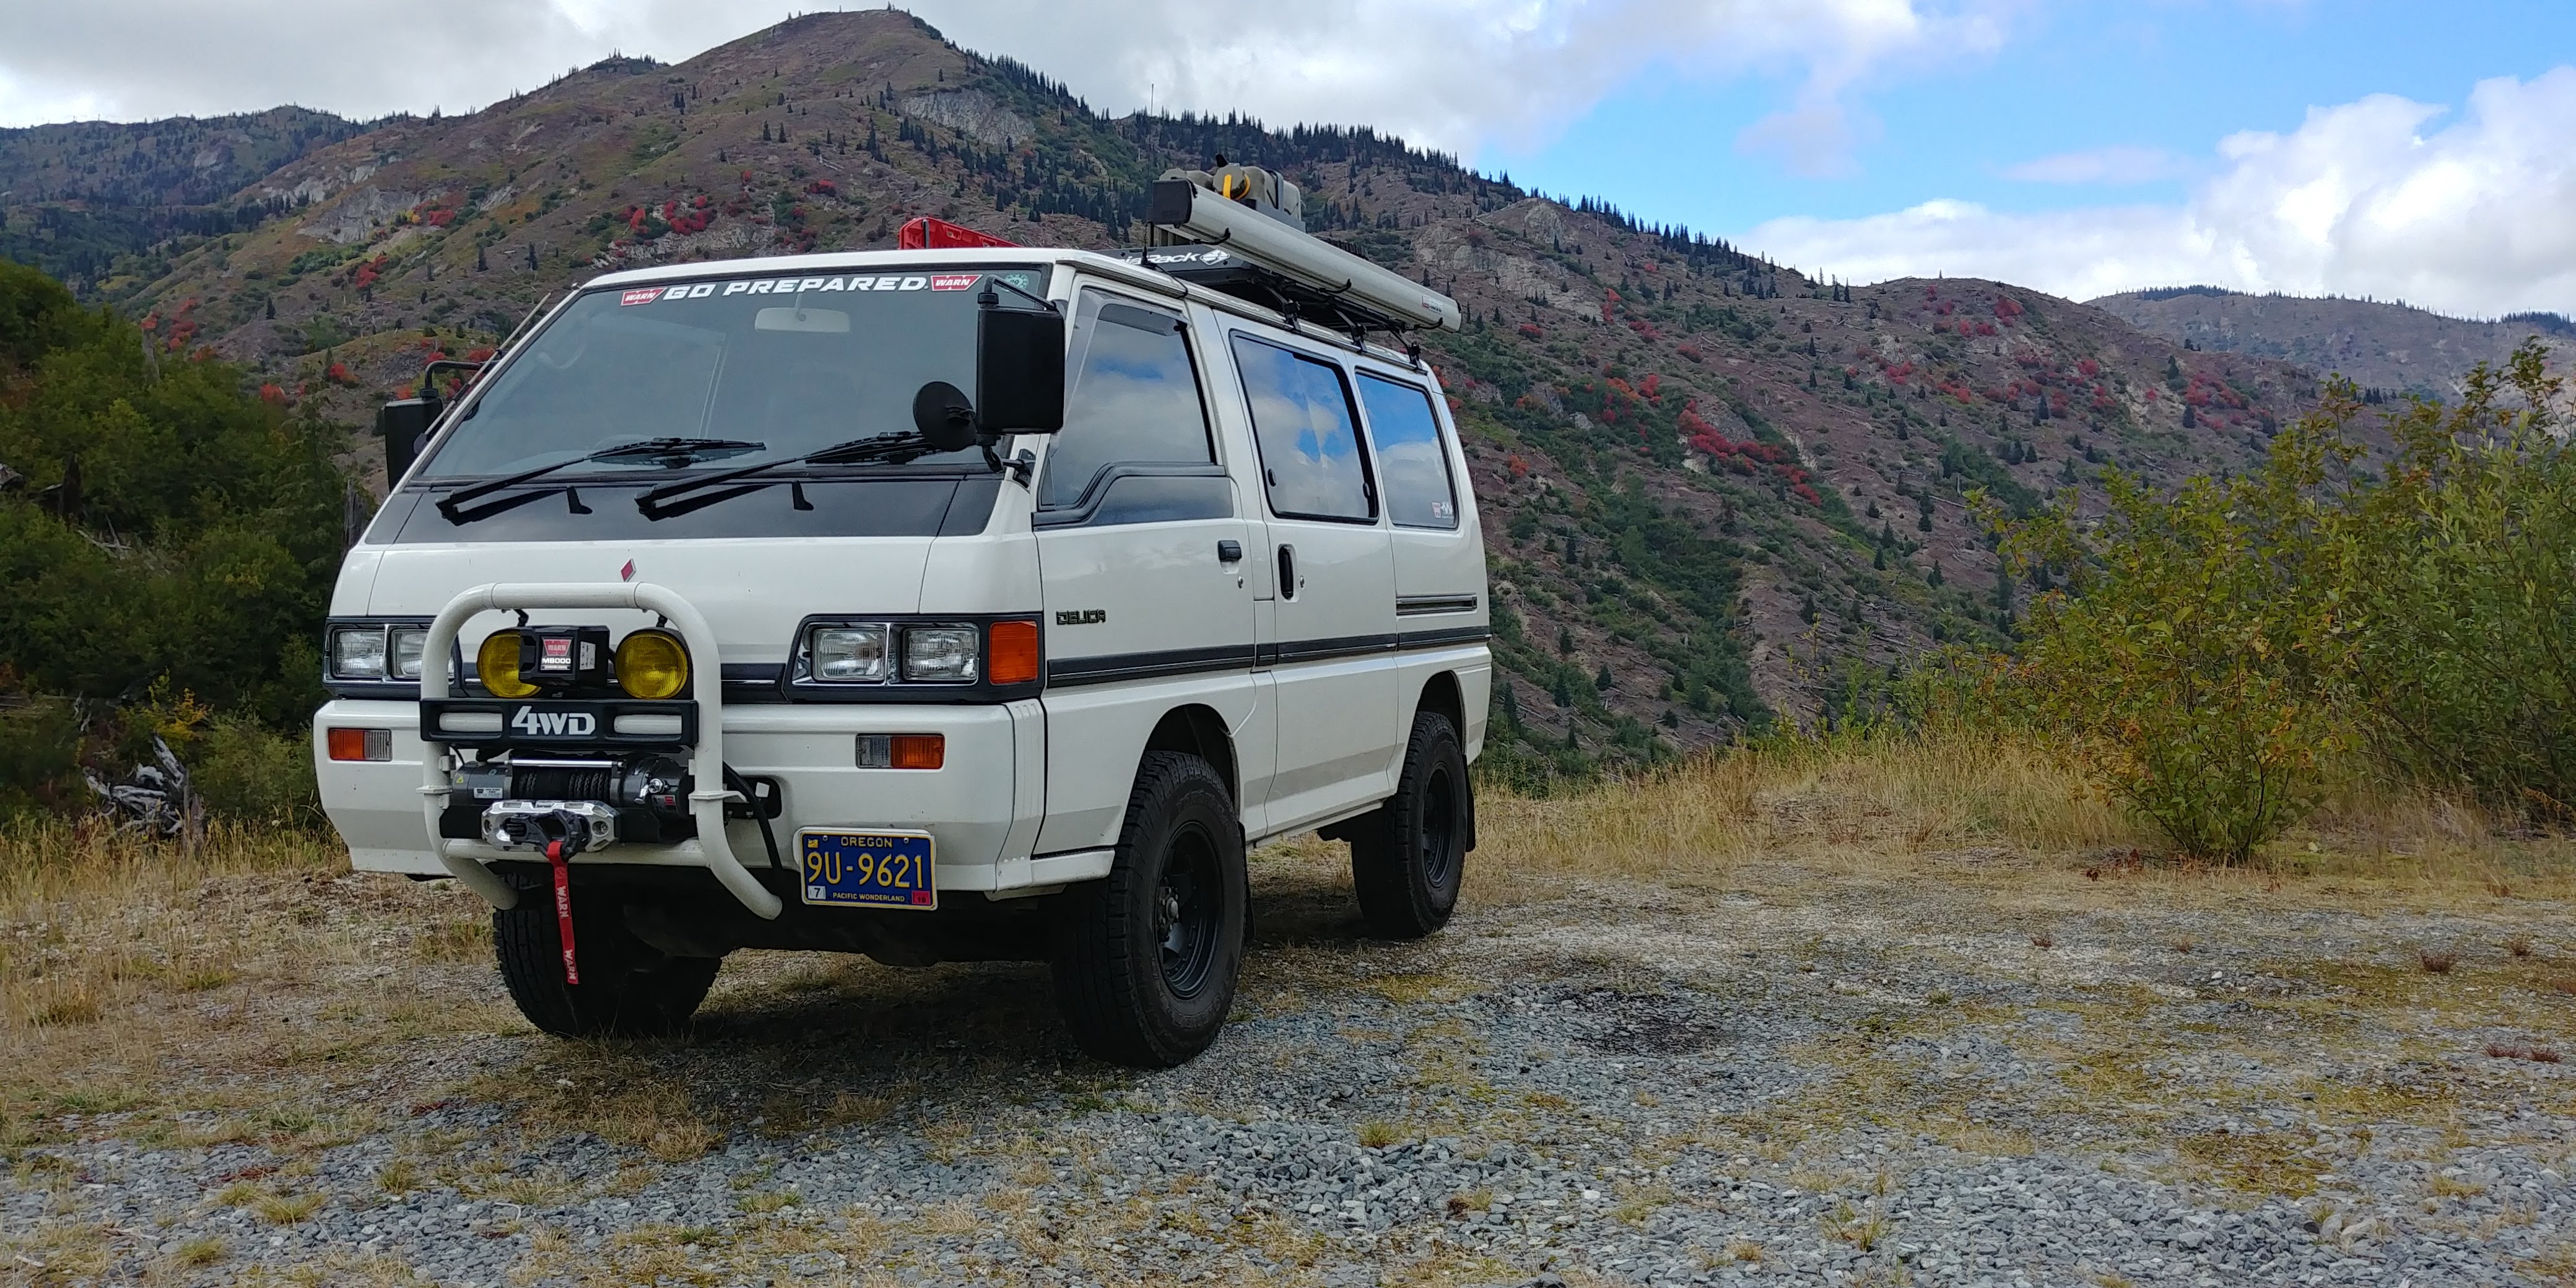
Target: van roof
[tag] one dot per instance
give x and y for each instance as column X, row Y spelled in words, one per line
column 1108, row 266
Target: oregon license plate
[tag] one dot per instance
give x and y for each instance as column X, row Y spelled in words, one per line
column 867, row 869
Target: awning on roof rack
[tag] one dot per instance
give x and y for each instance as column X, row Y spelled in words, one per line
column 1218, row 270
column 1261, row 257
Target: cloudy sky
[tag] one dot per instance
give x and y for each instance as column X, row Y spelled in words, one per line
column 2392, row 148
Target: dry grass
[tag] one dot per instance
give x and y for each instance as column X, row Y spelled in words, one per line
column 1983, row 805
column 226, row 981
column 1815, row 801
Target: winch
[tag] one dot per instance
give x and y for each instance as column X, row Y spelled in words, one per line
column 521, row 802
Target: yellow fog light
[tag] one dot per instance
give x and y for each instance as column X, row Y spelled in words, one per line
column 651, row 664
column 497, row 664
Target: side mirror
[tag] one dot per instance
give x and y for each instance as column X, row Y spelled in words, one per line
column 943, row 417
column 403, row 423
column 1019, row 371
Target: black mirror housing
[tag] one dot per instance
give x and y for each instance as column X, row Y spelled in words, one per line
column 1019, row 371
column 404, row 423
column 943, row 417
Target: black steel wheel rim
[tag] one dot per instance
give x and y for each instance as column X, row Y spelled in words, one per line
column 1439, row 827
column 1189, row 905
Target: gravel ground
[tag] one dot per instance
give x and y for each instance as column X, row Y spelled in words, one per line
column 1924, row 1074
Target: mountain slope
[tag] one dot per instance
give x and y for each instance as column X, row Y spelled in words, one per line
column 2391, row 347
column 77, row 198
column 1715, row 491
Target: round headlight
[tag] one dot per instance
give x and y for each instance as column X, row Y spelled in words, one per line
column 651, row 664
column 497, row 664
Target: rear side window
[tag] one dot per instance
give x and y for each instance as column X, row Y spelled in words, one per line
column 1133, row 399
column 1411, row 459
column 1309, row 436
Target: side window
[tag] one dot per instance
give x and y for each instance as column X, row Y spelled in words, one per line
column 1310, row 446
column 1410, row 456
column 1131, row 397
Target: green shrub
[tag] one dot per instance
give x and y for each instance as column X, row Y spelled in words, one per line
column 39, row 756
column 251, row 773
column 2216, row 650
column 2195, row 666
column 2460, row 594
column 174, row 534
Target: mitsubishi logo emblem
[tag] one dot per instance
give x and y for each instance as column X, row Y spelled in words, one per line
column 627, row 573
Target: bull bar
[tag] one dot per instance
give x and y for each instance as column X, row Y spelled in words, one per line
column 706, row 804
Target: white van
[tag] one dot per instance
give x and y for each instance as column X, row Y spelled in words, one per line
column 718, row 614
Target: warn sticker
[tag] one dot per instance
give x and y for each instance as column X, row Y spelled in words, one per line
column 645, row 295
column 953, row 281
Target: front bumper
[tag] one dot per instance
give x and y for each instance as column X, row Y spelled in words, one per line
column 982, row 807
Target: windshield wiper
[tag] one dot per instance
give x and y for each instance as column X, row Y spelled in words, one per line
column 901, row 447
column 670, row 453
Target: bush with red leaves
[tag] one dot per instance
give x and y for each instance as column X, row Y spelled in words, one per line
column 1530, row 330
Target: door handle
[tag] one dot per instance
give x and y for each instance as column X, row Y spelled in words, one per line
column 1229, row 552
column 1287, row 572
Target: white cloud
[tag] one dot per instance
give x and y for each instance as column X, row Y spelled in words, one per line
column 1465, row 74
column 1454, row 74
column 2111, row 165
column 2477, row 217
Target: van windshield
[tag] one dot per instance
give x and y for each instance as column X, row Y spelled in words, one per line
column 791, row 364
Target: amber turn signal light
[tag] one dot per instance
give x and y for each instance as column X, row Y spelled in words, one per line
column 1011, row 652
column 359, row 744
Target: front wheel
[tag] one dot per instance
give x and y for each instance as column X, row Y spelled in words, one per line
column 1146, row 959
column 628, row 988
column 1409, row 858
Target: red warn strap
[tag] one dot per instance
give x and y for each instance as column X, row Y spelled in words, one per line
column 563, row 907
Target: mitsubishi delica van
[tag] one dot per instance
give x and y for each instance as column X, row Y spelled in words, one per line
column 965, row 602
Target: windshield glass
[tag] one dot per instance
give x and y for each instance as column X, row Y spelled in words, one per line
column 793, row 363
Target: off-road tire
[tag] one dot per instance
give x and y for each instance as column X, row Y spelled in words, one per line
column 1128, row 994
column 1410, row 857
column 628, row 988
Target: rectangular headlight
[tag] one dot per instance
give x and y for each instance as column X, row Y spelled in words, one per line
column 940, row 653
column 849, row 654
column 358, row 653
column 407, row 644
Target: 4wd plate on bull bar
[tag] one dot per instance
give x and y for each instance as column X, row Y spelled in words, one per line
column 859, row 869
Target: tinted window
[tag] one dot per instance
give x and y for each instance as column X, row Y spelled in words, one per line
column 1410, row 458
column 1131, row 398
column 1310, row 448
column 792, row 363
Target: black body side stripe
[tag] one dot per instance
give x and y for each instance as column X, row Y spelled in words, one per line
column 1111, row 667
column 1323, row 650
column 1432, row 605
column 1114, row 667
column 1445, row 636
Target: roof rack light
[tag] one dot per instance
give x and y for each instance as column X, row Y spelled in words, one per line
column 1324, row 283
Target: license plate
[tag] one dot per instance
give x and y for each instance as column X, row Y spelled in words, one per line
column 867, row 869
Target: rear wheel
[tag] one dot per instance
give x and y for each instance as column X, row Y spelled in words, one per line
column 1145, row 960
column 1410, row 857
column 628, row 988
